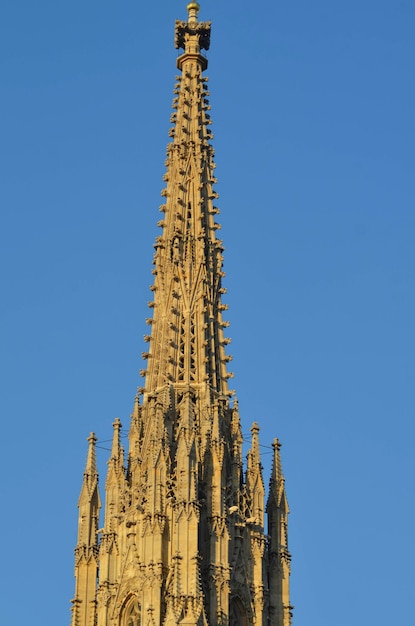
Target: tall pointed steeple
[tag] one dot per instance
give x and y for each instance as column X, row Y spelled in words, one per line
column 86, row 551
column 279, row 555
column 183, row 538
column 187, row 338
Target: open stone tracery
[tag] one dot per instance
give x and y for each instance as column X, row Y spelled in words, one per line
column 183, row 538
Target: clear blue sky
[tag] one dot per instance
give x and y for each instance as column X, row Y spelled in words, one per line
column 313, row 110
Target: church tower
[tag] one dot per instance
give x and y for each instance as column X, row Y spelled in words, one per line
column 183, row 539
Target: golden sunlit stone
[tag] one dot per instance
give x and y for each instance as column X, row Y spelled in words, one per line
column 183, row 538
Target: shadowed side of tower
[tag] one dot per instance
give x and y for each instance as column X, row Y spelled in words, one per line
column 183, row 538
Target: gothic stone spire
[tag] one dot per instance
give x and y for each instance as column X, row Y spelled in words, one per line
column 279, row 555
column 86, row 551
column 183, row 538
column 186, row 345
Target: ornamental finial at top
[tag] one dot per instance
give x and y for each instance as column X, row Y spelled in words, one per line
column 192, row 35
column 193, row 9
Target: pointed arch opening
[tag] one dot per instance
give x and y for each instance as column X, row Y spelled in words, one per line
column 132, row 614
column 238, row 615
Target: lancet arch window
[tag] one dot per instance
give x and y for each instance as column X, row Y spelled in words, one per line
column 238, row 615
column 132, row 614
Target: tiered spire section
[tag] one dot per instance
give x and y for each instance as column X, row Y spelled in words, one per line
column 183, row 538
column 187, row 339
